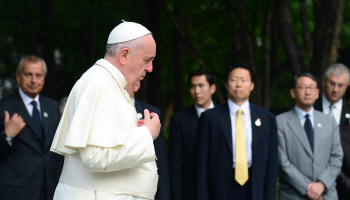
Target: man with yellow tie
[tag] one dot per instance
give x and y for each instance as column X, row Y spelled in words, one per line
column 237, row 145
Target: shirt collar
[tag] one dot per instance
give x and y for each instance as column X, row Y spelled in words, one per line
column 326, row 103
column 118, row 76
column 234, row 107
column 301, row 113
column 200, row 109
column 26, row 99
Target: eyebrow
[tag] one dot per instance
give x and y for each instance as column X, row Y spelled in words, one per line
column 148, row 58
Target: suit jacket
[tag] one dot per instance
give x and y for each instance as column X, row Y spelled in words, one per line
column 182, row 147
column 215, row 174
column 299, row 166
column 343, row 180
column 23, row 164
column 345, row 109
column 163, row 188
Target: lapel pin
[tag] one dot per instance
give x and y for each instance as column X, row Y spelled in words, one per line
column 347, row 115
column 319, row 125
column 139, row 116
column 45, row 114
column 258, row 122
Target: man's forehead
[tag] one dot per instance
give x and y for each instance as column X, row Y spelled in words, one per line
column 306, row 80
column 198, row 79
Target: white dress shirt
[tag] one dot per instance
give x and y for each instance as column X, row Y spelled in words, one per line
column 247, row 129
column 27, row 101
column 301, row 114
column 336, row 109
column 200, row 109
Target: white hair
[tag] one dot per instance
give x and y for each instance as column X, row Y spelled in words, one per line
column 113, row 49
column 30, row 59
column 337, row 70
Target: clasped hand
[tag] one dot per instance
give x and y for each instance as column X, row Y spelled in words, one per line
column 153, row 124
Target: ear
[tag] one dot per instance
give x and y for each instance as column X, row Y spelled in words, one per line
column 18, row 77
column 213, row 88
column 324, row 82
column 252, row 86
column 226, row 86
column 317, row 93
column 292, row 93
column 123, row 55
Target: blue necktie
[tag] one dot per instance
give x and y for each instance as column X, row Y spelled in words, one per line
column 37, row 120
column 309, row 131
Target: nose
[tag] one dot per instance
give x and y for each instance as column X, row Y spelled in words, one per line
column 149, row 68
column 336, row 88
column 196, row 90
column 33, row 79
column 239, row 82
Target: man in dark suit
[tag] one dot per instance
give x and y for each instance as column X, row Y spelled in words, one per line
column 28, row 169
column 182, row 138
column 335, row 82
column 343, row 180
column 237, row 147
column 163, row 188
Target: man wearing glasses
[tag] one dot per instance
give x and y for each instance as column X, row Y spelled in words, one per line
column 310, row 153
column 335, row 82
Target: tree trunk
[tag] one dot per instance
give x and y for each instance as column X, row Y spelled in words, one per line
column 288, row 36
column 266, row 59
column 305, row 29
column 337, row 29
column 324, row 25
column 48, row 47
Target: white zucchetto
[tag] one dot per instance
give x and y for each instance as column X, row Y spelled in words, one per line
column 127, row 31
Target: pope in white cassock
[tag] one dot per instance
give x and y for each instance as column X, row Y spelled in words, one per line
column 109, row 153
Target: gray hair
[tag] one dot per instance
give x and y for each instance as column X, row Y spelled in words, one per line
column 30, row 59
column 337, row 70
column 113, row 49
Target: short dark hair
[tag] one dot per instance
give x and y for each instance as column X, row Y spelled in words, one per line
column 240, row 65
column 303, row 74
column 211, row 79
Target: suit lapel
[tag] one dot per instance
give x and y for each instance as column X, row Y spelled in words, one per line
column 344, row 112
column 256, row 132
column 319, row 132
column 45, row 115
column 295, row 127
column 192, row 124
column 138, row 107
column 226, row 125
column 344, row 130
column 23, row 112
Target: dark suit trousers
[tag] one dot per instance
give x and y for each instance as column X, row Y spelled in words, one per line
column 239, row 192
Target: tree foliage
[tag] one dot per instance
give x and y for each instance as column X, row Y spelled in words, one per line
column 278, row 38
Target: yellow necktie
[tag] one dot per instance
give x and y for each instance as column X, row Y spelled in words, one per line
column 241, row 167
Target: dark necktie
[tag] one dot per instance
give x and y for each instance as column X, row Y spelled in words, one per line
column 37, row 120
column 309, row 131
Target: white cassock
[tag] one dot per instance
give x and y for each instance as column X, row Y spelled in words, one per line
column 106, row 155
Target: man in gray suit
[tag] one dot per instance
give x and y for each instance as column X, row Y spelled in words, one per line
column 310, row 154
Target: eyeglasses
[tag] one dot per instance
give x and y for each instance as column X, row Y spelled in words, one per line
column 304, row 88
column 332, row 84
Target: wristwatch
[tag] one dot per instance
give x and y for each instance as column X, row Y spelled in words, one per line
column 7, row 138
